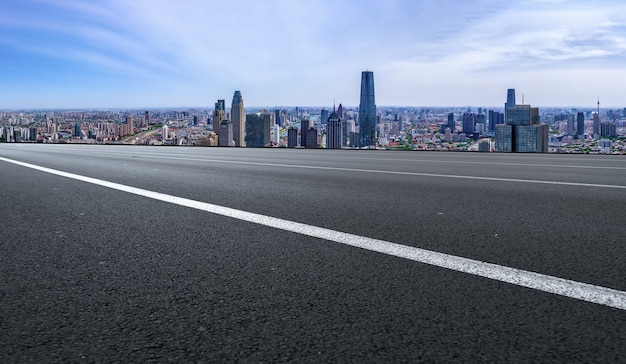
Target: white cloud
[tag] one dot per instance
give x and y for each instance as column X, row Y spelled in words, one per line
column 307, row 52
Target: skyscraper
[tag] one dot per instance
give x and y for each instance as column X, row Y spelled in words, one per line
column 333, row 131
column 304, row 130
column 219, row 114
column 324, row 116
column 226, row 134
column 468, row 123
column 580, row 125
column 522, row 131
column 312, row 138
column 451, row 122
column 367, row 111
column 570, row 124
column 238, row 119
column 597, row 121
column 277, row 117
column 510, row 98
column 258, row 129
column 292, row 137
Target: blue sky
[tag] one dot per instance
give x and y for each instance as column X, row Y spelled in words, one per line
column 158, row 53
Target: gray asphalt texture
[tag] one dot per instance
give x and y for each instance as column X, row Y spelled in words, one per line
column 91, row 274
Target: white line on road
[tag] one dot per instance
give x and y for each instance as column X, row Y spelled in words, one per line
column 342, row 169
column 563, row 287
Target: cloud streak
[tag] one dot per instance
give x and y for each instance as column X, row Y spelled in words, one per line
column 309, row 52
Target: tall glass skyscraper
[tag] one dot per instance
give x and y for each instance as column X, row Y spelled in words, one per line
column 510, row 97
column 238, row 119
column 367, row 111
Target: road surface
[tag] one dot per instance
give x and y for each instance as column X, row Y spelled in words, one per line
column 171, row 254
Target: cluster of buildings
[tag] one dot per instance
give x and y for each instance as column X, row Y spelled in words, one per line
column 263, row 129
column 513, row 128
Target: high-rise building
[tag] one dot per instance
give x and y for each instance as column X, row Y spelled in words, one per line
column 292, row 137
column 340, row 112
column 258, row 129
column 522, row 131
column 226, row 134
column 468, row 123
column 367, row 111
column 304, row 130
column 504, row 138
column 147, row 117
column 580, row 125
column 451, row 122
column 77, row 129
column 596, row 123
column 510, row 97
column 334, row 132
column 311, row 138
column 608, row 129
column 570, row 124
column 324, row 116
column 219, row 115
column 277, row 117
column 238, row 119
column 495, row 118
column 531, row 138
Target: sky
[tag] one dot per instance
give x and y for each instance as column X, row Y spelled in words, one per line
column 169, row 53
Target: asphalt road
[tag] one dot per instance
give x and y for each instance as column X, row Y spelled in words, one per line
column 94, row 274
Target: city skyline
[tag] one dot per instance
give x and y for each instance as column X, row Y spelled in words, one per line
column 118, row 54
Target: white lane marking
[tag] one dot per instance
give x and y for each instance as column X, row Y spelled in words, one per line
column 577, row 184
column 563, row 287
column 498, row 156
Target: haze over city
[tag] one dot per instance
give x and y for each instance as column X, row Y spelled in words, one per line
column 75, row 54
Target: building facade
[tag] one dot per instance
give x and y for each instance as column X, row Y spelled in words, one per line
column 219, row 115
column 238, row 120
column 522, row 131
column 334, row 135
column 258, row 130
column 292, row 137
column 367, row 111
column 225, row 138
column 304, row 130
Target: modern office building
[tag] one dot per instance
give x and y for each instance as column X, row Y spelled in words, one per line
column 238, row 119
column 334, row 135
column 277, row 117
column 225, row 138
column 531, row 138
column 510, row 98
column 219, row 115
column 596, row 124
column 468, row 122
column 312, row 138
column 580, row 125
column 324, row 116
column 570, row 124
column 504, row 138
column 495, row 118
column 522, row 131
column 608, row 130
column 451, row 122
column 367, row 111
column 292, row 137
column 304, row 130
column 258, row 129
column 77, row 129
